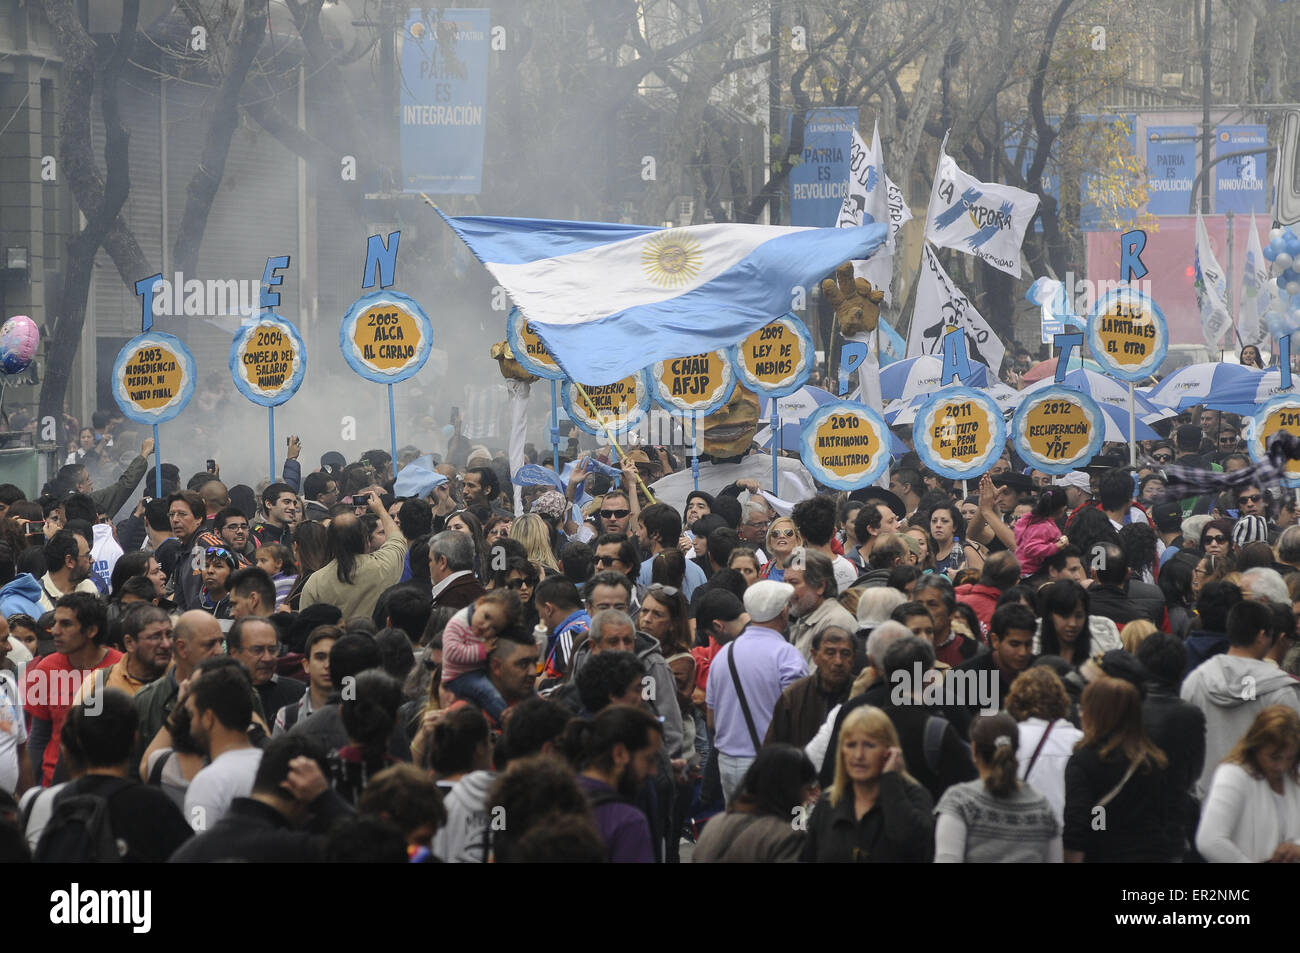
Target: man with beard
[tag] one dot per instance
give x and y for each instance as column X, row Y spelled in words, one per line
column 220, row 707
column 814, row 607
column 616, row 753
column 196, row 636
column 147, row 639
column 233, row 527
column 67, row 558
column 802, row 708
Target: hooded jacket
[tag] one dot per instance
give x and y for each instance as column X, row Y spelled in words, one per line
column 664, row 701
column 1231, row 691
column 464, row 838
column 21, row 596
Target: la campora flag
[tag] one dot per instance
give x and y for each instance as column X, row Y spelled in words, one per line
column 984, row 219
column 607, row 300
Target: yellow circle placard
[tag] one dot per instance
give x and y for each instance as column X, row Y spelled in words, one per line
column 961, row 432
column 772, row 356
column 696, row 381
column 387, row 338
column 1058, row 430
column 267, row 359
column 1283, row 418
column 615, row 401
column 847, row 446
column 153, row 378
column 535, row 348
column 1127, row 332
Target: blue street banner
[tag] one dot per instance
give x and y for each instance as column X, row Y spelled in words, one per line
column 1240, row 183
column 819, row 183
column 1171, row 167
column 442, row 115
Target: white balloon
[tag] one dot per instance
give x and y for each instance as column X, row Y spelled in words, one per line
column 1293, row 287
column 1274, row 233
column 1283, row 261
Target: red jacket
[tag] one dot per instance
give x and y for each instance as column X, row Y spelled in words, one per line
column 983, row 599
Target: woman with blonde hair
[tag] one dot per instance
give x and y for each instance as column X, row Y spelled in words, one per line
column 1118, row 769
column 1135, row 633
column 1252, row 813
column 1038, row 701
column 874, row 812
column 996, row 818
column 535, row 535
column 782, row 540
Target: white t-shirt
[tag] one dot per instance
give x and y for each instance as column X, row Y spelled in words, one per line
column 105, row 553
column 38, row 803
column 209, row 795
column 846, row 574
column 13, row 732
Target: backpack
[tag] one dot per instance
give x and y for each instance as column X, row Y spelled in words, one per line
column 80, row 830
column 935, row 726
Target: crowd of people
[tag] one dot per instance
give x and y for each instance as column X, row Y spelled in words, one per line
column 417, row 660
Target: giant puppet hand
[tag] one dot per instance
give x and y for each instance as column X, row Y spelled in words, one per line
column 856, row 302
column 510, row 367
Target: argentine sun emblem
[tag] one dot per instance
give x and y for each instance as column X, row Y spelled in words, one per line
column 671, row 259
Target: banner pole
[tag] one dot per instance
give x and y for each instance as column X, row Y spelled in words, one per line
column 270, row 430
column 600, row 419
column 392, row 427
column 157, row 465
column 555, row 427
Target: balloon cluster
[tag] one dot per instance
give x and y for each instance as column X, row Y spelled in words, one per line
column 1284, row 252
column 18, row 339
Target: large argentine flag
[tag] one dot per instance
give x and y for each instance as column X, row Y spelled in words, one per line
column 608, row 300
column 984, row 219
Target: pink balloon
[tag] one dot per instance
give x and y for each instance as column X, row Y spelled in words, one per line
column 19, row 338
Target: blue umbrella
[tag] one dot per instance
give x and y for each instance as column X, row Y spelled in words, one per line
column 1199, row 383
column 916, row 376
column 1109, row 392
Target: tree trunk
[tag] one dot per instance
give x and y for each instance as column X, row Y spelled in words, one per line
column 99, row 202
column 247, row 34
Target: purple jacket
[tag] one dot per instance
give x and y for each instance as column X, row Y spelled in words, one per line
column 623, row 828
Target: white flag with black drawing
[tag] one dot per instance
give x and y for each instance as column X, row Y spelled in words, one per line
column 873, row 197
column 939, row 304
column 1257, row 291
column 984, row 219
column 1211, row 286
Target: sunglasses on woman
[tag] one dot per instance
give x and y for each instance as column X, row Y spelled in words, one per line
column 521, row 584
column 783, row 533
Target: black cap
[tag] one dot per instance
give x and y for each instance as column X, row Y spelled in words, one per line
column 1118, row 663
column 1188, row 437
column 888, row 497
column 1017, row 481
column 1168, row 517
column 334, row 460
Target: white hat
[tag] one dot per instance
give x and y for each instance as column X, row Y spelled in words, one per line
column 765, row 599
column 1077, row 479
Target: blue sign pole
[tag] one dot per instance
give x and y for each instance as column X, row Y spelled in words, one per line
column 270, row 432
column 157, row 465
column 695, row 453
column 776, row 444
column 392, row 426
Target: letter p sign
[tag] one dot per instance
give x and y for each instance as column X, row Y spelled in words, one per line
column 851, row 357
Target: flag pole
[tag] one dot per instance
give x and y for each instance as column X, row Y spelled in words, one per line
column 776, row 445
column 600, row 419
column 695, row 452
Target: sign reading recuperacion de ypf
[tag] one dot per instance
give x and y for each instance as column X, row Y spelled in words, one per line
column 1058, row 429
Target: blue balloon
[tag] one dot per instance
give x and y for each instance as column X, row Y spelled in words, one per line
column 1281, row 281
column 1275, row 245
column 1270, row 252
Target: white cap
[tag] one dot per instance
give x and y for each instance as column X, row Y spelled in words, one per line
column 1077, row 479
column 765, row 599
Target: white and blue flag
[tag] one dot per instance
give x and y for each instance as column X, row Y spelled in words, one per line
column 608, row 300
column 1049, row 294
column 984, row 219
